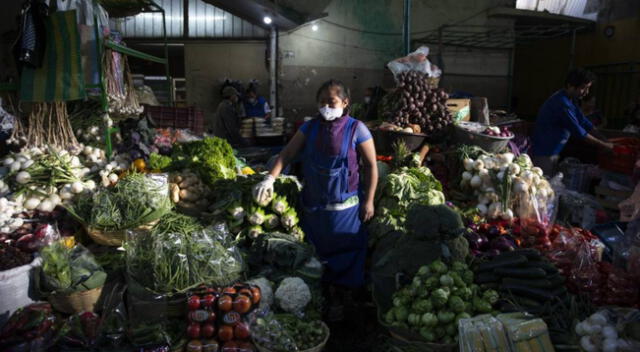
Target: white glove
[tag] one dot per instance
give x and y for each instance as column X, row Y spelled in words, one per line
column 263, row 191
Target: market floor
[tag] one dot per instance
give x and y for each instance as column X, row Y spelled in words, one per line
column 358, row 332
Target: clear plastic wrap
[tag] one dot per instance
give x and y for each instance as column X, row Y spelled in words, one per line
column 31, row 328
column 287, row 333
column 172, row 262
column 416, row 61
column 482, row 333
column 66, row 270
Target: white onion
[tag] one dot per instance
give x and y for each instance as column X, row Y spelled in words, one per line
column 8, row 161
column 31, row 203
column 23, row 177
column 77, row 187
column 46, row 205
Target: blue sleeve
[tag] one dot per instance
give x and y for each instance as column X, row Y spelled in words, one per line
column 305, row 127
column 362, row 133
column 574, row 120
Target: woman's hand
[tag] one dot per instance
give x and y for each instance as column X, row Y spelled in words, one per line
column 366, row 211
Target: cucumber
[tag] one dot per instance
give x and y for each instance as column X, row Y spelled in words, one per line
column 546, row 266
column 486, row 278
column 557, row 280
column 523, row 273
column 526, row 302
column 537, row 294
column 534, row 283
column 529, row 253
column 497, row 262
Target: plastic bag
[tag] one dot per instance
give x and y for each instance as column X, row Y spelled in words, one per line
column 31, row 328
column 66, row 270
column 416, row 61
column 172, row 262
column 482, row 333
column 275, row 332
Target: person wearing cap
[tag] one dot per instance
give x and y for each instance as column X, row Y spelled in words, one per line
column 226, row 122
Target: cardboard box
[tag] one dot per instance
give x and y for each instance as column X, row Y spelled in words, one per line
column 460, row 109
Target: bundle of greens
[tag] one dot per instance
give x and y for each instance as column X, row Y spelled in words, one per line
column 286, row 332
column 69, row 269
column 179, row 254
column 277, row 255
column 401, row 189
column 211, row 158
column 135, row 200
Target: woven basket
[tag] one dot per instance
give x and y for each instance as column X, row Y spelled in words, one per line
column 425, row 346
column 318, row 348
column 77, row 302
column 114, row 238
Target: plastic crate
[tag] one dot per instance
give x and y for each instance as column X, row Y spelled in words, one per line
column 624, row 156
column 177, row 117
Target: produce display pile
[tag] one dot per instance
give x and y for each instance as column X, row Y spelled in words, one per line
column 163, row 245
column 437, row 299
column 416, row 107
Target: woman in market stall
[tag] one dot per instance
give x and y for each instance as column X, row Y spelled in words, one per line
column 255, row 105
column 226, row 122
column 330, row 147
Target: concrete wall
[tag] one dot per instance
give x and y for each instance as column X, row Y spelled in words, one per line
column 207, row 65
column 358, row 57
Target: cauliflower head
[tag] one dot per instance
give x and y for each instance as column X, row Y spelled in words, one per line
column 293, row 294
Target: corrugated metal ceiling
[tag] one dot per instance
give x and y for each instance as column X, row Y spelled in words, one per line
column 587, row 9
column 205, row 21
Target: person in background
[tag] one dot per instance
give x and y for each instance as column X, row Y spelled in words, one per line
column 372, row 98
column 255, row 105
column 226, row 123
column 591, row 111
column 632, row 114
column 560, row 117
column 331, row 147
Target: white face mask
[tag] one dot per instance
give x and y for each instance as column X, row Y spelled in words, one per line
column 330, row 114
column 367, row 100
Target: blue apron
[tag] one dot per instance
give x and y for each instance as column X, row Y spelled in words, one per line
column 257, row 109
column 338, row 235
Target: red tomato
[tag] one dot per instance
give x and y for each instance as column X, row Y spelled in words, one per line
column 241, row 331
column 208, row 300
column 242, row 304
column 194, row 302
column 193, row 331
column 225, row 303
column 208, row 330
column 225, row 333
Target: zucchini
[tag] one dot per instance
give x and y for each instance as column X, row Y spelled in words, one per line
column 546, row 266
column 525, row 302
column 539, row 295
column 523, row 273
column 486, row 278
column 557, row 280
column 535, row 283
column 529, row 253
column 508, row 261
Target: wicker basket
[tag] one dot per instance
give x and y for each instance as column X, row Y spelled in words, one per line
column 318, row 348
column 114, row 238
column 77, row 302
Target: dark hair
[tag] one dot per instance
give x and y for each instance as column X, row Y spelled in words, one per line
column 251, row 89
column 343, row 91
column 578, row 77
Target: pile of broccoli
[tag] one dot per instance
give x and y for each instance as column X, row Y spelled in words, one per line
column 437, row 298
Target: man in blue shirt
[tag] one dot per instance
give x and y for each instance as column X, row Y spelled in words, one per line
column 255, row 105
column 560, row 118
